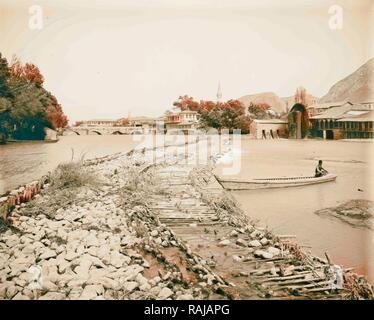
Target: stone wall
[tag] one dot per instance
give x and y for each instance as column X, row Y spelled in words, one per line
column 27, row 192
column 20, row 195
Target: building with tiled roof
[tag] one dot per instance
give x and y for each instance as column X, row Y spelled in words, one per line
column 347, row 121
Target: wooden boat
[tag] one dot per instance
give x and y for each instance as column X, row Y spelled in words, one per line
column 267, row 183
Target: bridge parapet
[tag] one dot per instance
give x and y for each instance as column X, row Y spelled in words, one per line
column 87, row 130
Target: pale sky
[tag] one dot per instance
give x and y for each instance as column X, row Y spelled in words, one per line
column 106, row 59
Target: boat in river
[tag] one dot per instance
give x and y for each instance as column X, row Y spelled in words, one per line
column 267, row 183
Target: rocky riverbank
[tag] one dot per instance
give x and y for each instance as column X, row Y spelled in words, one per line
column 358, row 213
column 130, row 227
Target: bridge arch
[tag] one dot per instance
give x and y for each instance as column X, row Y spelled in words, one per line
column 96, row 131
column 117, row 132
column 67, row 132
column 137, row 132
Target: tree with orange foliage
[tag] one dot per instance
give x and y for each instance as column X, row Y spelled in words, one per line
column 28, row 72
column 186, row 103
column 26, row 107
column 123, row 122
column 77, row 123
column 260, row 111
column 218, row 115
column 234, row 117
column 55, row 115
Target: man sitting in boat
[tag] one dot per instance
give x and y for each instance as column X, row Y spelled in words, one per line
column 319, row 170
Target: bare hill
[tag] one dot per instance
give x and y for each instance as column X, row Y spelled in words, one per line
column 276, row 103
column 357, row 87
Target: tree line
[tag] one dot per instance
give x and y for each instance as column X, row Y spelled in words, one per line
column 219, row 115
column 231, row 114
column 26, row 107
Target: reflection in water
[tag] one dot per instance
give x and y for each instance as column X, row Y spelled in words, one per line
column 24, row 162
column 292, row 210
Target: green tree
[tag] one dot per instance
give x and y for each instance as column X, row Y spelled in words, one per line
column 29, row 112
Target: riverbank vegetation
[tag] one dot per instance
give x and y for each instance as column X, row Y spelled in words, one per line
column 26, row 107
column 68, row 183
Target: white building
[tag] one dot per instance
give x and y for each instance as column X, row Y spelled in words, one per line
column 268, row 129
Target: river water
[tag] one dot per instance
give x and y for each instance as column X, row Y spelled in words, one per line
column 291, row 211
column 285, row 211
column 22, row 163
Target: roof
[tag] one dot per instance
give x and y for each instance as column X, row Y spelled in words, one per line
column 188, row 111
column 140, row 118
column 327, row 105
column 270, row 121
column 102, row 120
column 363, row 117
column 335, row 112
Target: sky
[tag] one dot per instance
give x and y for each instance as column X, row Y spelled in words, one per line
column 112, row 58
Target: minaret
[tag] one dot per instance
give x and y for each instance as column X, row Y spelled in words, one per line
column 219, row 92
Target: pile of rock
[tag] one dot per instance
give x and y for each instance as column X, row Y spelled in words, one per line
column 99, row 248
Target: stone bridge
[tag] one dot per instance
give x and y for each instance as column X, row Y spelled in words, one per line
column 86, row 130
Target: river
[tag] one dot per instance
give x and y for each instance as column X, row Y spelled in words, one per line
column 292, row 210
column 23, row 162
column 285, row 211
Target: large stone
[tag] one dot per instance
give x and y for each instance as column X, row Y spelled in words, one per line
column 53, row 296
column 256, row 234
column 109, row 283
column 62, row 265
column 241, row 242
column 71, row 255
column 155, row 291
column 132, row 272
column 130, row 286
column 254, row 243
column 92, row 241
column 237, row 258
column 141, row 279
column 91, row 292
column 20, row 296
column 233, row 233
column 145, row 287
column 92, row 251
column 116, row 259
column 3, row 289
column 11, row 291
column 75, row 282
column 274, row 251
column 185, row 297
column 165, row 293
column 103, row 253
column 224, row 242
column 49, row 286
column 62, row 234
column 263, row 254
column 82, row 270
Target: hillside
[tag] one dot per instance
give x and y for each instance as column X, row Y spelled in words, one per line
column 276, row 103
column 357, row 87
